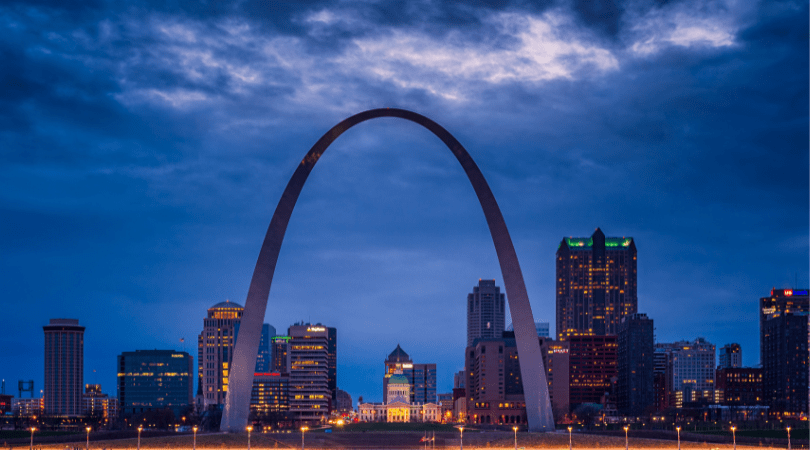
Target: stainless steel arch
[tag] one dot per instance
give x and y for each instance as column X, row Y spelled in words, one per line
column 240, row 381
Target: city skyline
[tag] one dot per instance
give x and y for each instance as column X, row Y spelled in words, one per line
column 142, row 207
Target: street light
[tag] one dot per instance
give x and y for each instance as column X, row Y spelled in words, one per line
column 87, row 447
column 788, row 430
column 626, row 442
column 140, row 428
column 303, row 430
column 570, row 444
column 678, row 429
column 194, row 442
column 249, row 429
column 461, row 440
column 32, row 437
column 515, row 429
column 734, row 436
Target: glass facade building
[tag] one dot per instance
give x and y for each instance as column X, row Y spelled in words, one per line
column 153, row 380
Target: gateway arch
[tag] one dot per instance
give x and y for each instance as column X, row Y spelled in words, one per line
column 532, row 371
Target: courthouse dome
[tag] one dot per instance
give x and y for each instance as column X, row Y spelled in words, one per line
column 398, row 379
column 227, row 304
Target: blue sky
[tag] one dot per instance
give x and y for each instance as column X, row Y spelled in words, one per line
column 144, row 146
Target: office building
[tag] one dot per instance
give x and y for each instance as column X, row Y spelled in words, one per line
column 99, row 405
column 64, row 367
column 784, row 336
column 596, row 284
column 155, row 380
column 424, row 383
column 485, row 312
column 309, row 373
column 281, row 354
column 541, row 327
column 691, row 370
column 264, row 358
column 780, row 301
column 661, row 379
column 331, row 363
column 730, row 356
column 269, row 398
column 28, row 407
column 344, row 404
column 592, row 365
column 215, row 350
column 635, row 365
column 740, row 386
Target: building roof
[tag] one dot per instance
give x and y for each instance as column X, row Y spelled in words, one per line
column 398, row 378
column 227, row 304
column 586, row 243
column 398, row 355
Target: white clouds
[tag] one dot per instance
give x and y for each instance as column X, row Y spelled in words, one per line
column 688, row 27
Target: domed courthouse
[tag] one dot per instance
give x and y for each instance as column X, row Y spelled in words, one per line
column 399, row 408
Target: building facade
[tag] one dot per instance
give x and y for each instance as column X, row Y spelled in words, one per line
column 424, row 383
column 780, row 301
column 691, row 371
column 730, row 356
column 785, row 363
column 592, row 366
column 397, row 362
column 635, row 365
column 215, row 350
column 486, row 307
column 99, row 405
column 270, row 395
column 64, row 367
column 596, row 284
column 281, row 354
column 542, row 329
column 155, row 380
column 399, row 408
column 264, row 359
column 310, row 396
column 740, row 386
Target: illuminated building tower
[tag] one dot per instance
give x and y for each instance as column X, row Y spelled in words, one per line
column 309, row 371
column 154, row 380
column 596, row 284
column 269, row 397
column 99, row 406
column 785, row 363
column 730, row 356
column 592, row 363
column 215, row 350
column 264, row 358
column 424, row 383
column 64, row 367
column 485, row 312
column 397, row 362
column 635, row 365
column 780, row 300
column 281, row 354
column 331, row 363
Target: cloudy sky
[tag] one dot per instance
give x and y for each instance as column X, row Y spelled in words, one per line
column 144, row 146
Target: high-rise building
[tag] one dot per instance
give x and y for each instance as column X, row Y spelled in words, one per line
column 784, row 336
column 596, row 284
column 281, row 354
column 309, row 373
column 98, row 405
column 264, row 358
column 592, row 364
column 424, row 383
column 215, row 350
column 153, row 380
column 730, row 356
column 691, row 369
column 344, row 404
column 635, row 364
column 780, row 300
column 542, row 329
column 64, row 367
column 485, row 312
column 331, row 363
column 397, row 362
column 661, row 378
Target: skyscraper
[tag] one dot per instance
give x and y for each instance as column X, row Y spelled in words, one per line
column 264, row 358
column 153, row 380
column 691, row 369
column 730, row 356
column 485, row 312
column 309, row 372
column 592, row 364
column 215, row 350
column 596, row 284
column 281, row 354
column 780, row 301
column 635, row 361
column 785, row 362
column 64, row 367
column 424, row 383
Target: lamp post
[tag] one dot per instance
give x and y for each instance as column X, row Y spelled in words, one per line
column 570, row 443
column 194, row 442
column 515, row 429
column 734, row 436
column 303, row 430
column 626, row 441
column 461, row 439
column 788, row 430
column 249, row 429
column 678, row 429
column 87, row 447
column 32, row 437
column 140, row 428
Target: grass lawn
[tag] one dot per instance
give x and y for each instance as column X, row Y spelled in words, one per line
column 19, row 434
column 383, row 426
